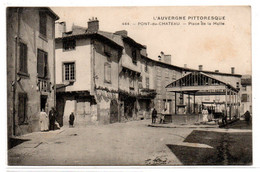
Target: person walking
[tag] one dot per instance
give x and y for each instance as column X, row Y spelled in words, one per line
column 71, row 119
column 43, row 121
column 154, row 115
column 52, row 118
column 163, row 116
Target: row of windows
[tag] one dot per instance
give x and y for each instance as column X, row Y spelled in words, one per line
column 42, row 61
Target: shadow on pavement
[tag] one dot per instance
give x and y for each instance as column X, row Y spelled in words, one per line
column 228, row 149
column 12, row 142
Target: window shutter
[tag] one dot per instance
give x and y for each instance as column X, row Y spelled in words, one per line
column 45, row 64
column 40, row 64
column 23, row 58
column 43, row 22
column 22, row 108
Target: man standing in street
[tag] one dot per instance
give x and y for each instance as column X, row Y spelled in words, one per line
column 154, row 114
column 52, row 118
column 71, row 119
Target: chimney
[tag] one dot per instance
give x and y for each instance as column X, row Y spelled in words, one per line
column 200, row 67
column 232, row 70
column 168, row 59
column 93, row 25
column 185, row 65
column 216, row 70
column 159, row 58
column 60, row 27
column 121, row 32
column 144, row 51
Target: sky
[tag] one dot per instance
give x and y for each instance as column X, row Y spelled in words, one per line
column 216, row 47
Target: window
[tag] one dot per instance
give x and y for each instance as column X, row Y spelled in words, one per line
column 43, row 24
column 158, row 71
column 158, row 81
column 166, row 73
column 42, row 64
column 244, row 98
column 107, row 50
column 23, row 58
column 107, row 73
column 69, row 44
column 181, row 99
column 134, row 56
column 131, row 83
column 244, row 88
column 69, row 71
column 146, row 67
column 147, row 83
column 174, row 77
column 22, row 108
column 238, row 85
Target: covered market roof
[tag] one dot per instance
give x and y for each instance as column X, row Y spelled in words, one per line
column 199, row 83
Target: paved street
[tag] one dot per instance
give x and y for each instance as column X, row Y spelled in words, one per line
column 134, row 143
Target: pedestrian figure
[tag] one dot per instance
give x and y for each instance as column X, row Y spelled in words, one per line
column 71, row 119
column 162, row 116
column 52, row 118
column 224, row 119
column 43, row 121
column 247, row 117
column 205, row 115
column 154, row 115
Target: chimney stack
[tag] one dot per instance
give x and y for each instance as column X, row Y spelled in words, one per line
column 200, row 67
column 216, row 70
column 185, row 65
column 93, row 25
column 232, row 70
column 122, row 33
column 60, row 28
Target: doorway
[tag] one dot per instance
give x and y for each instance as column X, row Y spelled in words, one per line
column 43, row 102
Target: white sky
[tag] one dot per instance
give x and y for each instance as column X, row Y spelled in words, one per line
column 215, row 47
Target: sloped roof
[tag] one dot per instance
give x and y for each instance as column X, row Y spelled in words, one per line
column 79, row 32
column 186, row 81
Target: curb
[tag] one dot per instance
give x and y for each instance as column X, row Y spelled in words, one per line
column 181, row 126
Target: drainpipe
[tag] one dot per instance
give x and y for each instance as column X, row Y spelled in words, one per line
column 17, row 40
column 118, row 104
column 54, row 68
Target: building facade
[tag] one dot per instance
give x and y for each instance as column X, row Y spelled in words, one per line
column 87, row 66
column 30, row 67
column 246, row 94
column 106, row 77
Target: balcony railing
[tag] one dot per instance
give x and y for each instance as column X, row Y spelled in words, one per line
column 44, row 85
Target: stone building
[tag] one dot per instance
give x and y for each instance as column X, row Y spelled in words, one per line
column 87, row 67
column 30, row 67
column 108, row 77
column 246, row 94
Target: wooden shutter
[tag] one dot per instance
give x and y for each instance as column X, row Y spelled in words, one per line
column 42, row 64
column 22, row 108
column 23, row 58
column 45, row 64
column 43, row 23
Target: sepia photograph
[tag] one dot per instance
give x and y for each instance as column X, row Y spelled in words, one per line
column 129, row 86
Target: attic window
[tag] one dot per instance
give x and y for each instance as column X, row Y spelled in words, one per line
column 107, row 50
column 134, row 56
column 69, row 44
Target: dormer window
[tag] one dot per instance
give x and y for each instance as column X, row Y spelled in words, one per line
column 43, row 24
column 69, row 44
column 107, row 50
column 134, row 56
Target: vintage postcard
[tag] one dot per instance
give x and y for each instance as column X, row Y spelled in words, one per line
column 129, row 86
